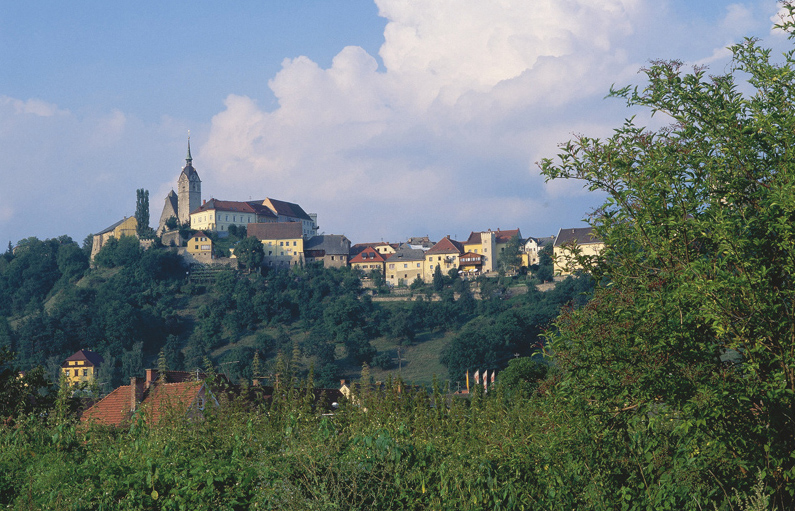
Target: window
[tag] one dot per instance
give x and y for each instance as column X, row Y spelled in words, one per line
column 85, row 372
column 196, row 247
column 295, row 243
column 392, row 266
column 281, row 243
column 405, row 265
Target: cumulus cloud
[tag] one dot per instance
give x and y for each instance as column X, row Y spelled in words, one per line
column 445, row 136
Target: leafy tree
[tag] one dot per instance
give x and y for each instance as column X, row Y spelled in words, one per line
column 546, row 269
column 523, row 373
column 249, row 253
column 686, row 354
column 510, row 259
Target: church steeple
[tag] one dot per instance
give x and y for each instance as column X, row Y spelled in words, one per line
column 188, row 158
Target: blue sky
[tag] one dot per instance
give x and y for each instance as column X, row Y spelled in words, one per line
column 388, row 119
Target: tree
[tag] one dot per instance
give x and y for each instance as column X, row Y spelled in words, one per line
column 142, row 214
column 438, row 279
column 686, row 354
column 249, row 253
column 510, row 259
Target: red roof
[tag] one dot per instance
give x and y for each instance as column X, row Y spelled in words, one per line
column 505, row 236
column 368, row 255
column 226, row 205
column 446, row 246
column 155, row 401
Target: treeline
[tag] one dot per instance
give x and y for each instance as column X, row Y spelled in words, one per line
column 136, row 304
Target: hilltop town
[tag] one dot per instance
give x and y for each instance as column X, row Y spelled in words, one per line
column 198, row 228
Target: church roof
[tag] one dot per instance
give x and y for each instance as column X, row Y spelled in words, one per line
column 188, row 169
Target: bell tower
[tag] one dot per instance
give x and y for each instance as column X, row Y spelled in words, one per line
column 189, row 189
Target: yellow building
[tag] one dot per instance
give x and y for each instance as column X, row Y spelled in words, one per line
column 444, row 254
column 81, row 367
column 404, row 266
column 217, row 215
column 283, row 243
column 200, row 245
column 583, row 239
column 484, row 244
column 128, row 226
column 368, row 260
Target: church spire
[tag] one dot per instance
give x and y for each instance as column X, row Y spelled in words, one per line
column 188, row 158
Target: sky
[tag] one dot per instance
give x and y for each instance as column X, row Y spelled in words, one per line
column 387, row 118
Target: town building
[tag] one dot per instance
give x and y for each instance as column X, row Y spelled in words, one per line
column 368, row 260
column 81, row 367
column 582, row 239
column 128, row 226
column 332, row 250
column 532, row 248
column 405, row 265
column 200, row 246
column 445, row 255
column 283, row 243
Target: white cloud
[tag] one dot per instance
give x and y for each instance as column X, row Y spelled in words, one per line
column 444, row 134
column 34, row 106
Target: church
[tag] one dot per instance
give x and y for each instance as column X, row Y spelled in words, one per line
column 186, row 207
column 188, row 197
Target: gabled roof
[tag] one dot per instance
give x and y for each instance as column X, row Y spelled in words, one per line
column 275, row 231
column 158, row 400
column 225, row 205
column 92, row 358
column 286, row 208
column 368, row 255
column 505, row 236
column 355, row 249
column 578, row 236
column 331, row 244
column 446, row 246
column 474, row 237
column 406, row 253
column 112, row 227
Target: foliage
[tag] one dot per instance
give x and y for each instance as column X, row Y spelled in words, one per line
column 249, row 253
column 510, row 259
column 681, row 369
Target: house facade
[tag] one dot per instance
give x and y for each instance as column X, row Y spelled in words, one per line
column 368, row 260
column 128, row 226
column 443, row 254
column 332, row 250
column 81, row 367
column 283, row 243
column 583, row 239
column 200, row 246
column 405, row 265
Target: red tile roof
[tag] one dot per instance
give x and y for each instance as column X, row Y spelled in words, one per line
column 157, row 400
column 225, row 205
column 505, row 236
column 367, row 255
column 446, row 246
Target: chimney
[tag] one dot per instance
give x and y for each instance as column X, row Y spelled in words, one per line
column 136, row 393
column 204, row 202
column 343, row 382
column 151, row 377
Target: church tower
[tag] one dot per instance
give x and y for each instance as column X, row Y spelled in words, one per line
column 189, row 189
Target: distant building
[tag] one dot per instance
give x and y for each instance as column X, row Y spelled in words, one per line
column 368, row 260
column 81, row 367
column 188, row 197
column 180, row 395
column 532, row 248
column 331, row 249
column 128, row 226
column 583, row 238
column 283, row 243
column 200, row 246
column 405, row 266
column 445, row 255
